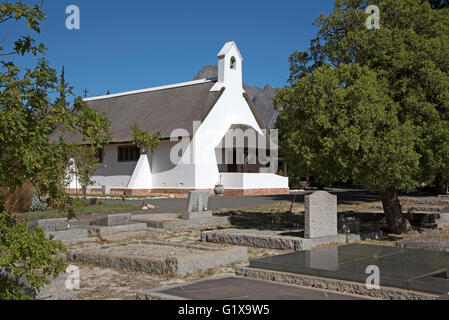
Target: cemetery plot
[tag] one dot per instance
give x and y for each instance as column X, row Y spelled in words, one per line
column 173, row 221
column 158, row 258
column 228, row 287
column 409, row 269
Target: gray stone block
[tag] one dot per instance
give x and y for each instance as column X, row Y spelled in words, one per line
column 447, row 270
column 73, row 234
column 177, row 224
column 55, row 290
column 271, row 240
column 320, row 215
column 105, row 230
column 158, row 258
column 111, row 220
column 50, row 224
column 196, row 215
column 197, row 201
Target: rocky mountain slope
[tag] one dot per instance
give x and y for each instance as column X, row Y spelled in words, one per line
column 262, row 98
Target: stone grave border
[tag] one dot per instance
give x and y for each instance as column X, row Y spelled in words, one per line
column 336, row 285
column 206, row 258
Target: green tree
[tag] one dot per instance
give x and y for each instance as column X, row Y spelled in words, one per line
column 144, row 140
column 29, row 115
column 371, row 106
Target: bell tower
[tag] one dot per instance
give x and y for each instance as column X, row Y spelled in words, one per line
column 229, row 68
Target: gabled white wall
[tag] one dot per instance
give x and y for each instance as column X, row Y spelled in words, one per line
column 141, row 178
column 231, row 109
column 198, row 168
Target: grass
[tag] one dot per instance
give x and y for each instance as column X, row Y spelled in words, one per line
column 79, row 211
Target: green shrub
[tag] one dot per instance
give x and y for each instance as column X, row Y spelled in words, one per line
column 29, row 254
column 38, row 202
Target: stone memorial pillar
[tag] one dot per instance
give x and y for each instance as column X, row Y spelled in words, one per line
column 320, row 215
column 197, row 206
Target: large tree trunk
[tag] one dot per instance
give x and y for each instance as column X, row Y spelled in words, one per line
column 440, row 185
column 396, row 221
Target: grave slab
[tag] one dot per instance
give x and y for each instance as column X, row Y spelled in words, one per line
column 111, row 220
column 108, row 230
column 73, row 234
column 407, row 269
column 173, row 221
column 50, row 224
column 158, row 257
column 229, row 287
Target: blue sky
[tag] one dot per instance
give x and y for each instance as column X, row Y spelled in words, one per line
column 135, row 44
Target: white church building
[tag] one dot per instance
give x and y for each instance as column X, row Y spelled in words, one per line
column 194, row 119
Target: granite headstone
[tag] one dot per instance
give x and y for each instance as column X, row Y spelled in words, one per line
column 197, row 206
column 320, row 215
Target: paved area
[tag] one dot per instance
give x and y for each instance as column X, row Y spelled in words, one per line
column 179, row 205
column 236, row 288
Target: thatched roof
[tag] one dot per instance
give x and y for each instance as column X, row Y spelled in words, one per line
column 161, row 109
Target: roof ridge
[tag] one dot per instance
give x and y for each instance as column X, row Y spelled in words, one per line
column 170, row 86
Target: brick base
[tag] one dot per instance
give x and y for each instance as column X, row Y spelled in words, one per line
column 256, row 192
column 228, row 192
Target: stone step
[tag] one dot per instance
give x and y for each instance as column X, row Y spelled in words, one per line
column 428, row 201
column 108, row 230
column 49, row 225
column 73, row 234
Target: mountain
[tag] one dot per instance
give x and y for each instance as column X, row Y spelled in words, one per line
column 262, row 98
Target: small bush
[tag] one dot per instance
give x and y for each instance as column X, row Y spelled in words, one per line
column 38, row 202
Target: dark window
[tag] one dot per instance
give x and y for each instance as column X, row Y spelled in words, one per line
column 100, row 155
column 128, row 153
column 233, row 63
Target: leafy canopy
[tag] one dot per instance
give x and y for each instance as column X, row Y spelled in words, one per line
column 370, row 106
column 29, row 114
